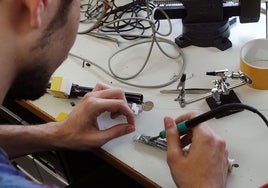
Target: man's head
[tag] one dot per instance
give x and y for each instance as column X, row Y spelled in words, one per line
column 53, row 26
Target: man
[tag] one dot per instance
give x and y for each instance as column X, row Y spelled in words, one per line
column 36, row 36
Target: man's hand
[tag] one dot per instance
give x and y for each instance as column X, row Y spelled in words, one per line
column 204, row 164
column 80, row 130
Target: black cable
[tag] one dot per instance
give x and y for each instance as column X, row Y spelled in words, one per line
column 93, row 13
column 80, row 91
column 222, row 110
column 187, row 125
column 129, row 11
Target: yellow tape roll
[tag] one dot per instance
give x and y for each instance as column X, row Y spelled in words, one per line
column 254, row 62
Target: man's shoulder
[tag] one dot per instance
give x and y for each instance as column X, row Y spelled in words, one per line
column 12, row 177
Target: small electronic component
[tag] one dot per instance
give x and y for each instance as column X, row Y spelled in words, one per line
column 158, row 143
column 63, row 88
column 148, row 105
column 136, row 108
column 162, row 144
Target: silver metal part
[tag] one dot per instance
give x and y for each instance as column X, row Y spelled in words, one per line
column 136, row 108
column 266, row 14
column 187, row 91
column 231, row 164
column 148, row 105
column 221, row 87
column 152, row 141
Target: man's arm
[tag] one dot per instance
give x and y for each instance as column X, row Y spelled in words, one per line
column 79, row 131
column 18, row 140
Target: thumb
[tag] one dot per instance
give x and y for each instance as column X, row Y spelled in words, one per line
column 118, row 130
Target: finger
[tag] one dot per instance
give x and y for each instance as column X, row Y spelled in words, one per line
column 201, row 131
column 109, row 93
column 114, row 115
column 100, row 86
column 116, row 131
column 118, row 106
column 186, row 139
column 172, row 136
column 264, row 186
column 187, row 116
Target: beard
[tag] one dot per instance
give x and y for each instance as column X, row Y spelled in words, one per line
column 30, row 83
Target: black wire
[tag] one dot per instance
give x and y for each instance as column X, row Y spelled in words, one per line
column 222, row 110
column 87, row 9
column 130, row 10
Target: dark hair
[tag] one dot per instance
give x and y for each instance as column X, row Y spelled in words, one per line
column 58, row 21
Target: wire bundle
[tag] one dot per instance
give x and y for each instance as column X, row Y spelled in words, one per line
column 93, row 12
column 116, row 22
column 104, row 12
column 130, row 17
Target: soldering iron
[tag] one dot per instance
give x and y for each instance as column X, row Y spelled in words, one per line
column 187, row 125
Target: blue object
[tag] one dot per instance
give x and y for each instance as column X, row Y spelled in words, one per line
column 13, row 178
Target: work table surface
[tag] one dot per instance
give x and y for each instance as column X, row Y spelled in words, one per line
column 245, row 133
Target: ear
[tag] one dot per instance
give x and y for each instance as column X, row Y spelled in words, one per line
column 36, row 9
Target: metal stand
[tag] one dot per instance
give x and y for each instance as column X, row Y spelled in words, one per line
column 221, row 89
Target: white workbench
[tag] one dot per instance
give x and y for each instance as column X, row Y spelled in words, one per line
column 245, row 133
